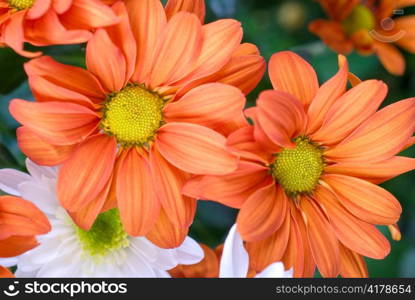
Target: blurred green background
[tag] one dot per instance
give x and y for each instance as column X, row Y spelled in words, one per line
column 273, row 25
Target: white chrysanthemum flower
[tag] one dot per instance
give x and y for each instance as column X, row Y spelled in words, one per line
column 103, row 251
column 235, row 260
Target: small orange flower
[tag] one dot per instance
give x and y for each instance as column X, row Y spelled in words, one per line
column 306, row 183
column 149, row 111
column 50, row 22
column 20, row 223
column 368, row 27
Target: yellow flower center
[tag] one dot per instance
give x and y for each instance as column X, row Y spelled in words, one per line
column 21, row 4
column 360, row 18
column 106, row 235
column 298, row 169
column 133, row 115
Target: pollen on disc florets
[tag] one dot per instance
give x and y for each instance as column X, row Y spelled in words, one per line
column 360, row 18
column 21, row 4
column 106, row 235
column 133, row 115
column 298, row 170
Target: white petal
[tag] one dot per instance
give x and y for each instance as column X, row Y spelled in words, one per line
column 40, row 195
column 189, row 252
column 161, row 274
column 38, row 172
column 23, row 274
column 275, row 270
column 11, row 179
column 8, row 262
column 163, row 259
column 137, row 266
column 235, row 260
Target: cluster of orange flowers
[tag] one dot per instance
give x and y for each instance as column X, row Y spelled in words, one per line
column 157, row 121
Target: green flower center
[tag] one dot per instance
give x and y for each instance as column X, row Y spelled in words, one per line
column 106, row 235
column 21, row 4
column 133, row 115
column 298, row 170
column 360, row 18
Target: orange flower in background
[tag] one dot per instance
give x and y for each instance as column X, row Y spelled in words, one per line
column 20, row 223
column 50, row 22
column 152, row 108
column 368, row 27
column 306, row 183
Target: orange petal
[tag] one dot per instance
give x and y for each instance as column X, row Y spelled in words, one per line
column 294, row 254
column 244, row 72
column 177, row 50
column 147, row 20
column 165, row 234
column 352, row 264
column 355, row 234
column 85, row 174
column 348, row 112
column 365, row 200
column 195, row 149
column 390, row 57
column 395, row 232
column 243, row 142
column 5, row 273
column 323, row 242
column 61, row 6
column 17, row 245
column 309, row 265
column 281, row 116
column 327, row 95
column 215, row 105
column 207, row 268
column 137, row 201
column 269, row 250
column 262, row 213
column 259, row 133
column 291, row 74
column 246, row 49
column 406, row 24
column 38, row 9
column 89, row 14
column 394, row 123
column 69, row 77
column 56, row 122
column 57, row 33
column 332, row 34
column 376, row 172
column 13, row 35
column 168, row 185
column 39, row 151
column 122, row 36
column 106, row 61
column 220, row 40
column 196, row 7
column 86, row 216
column 338, row 10
column 21, row 218
column 45, row 91
column 231, row 190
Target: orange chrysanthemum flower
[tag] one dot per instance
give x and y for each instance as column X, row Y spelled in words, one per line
column 150, row 110
column 20, row 223
column 50, row 22
column 368, row 27
column 306, row 183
